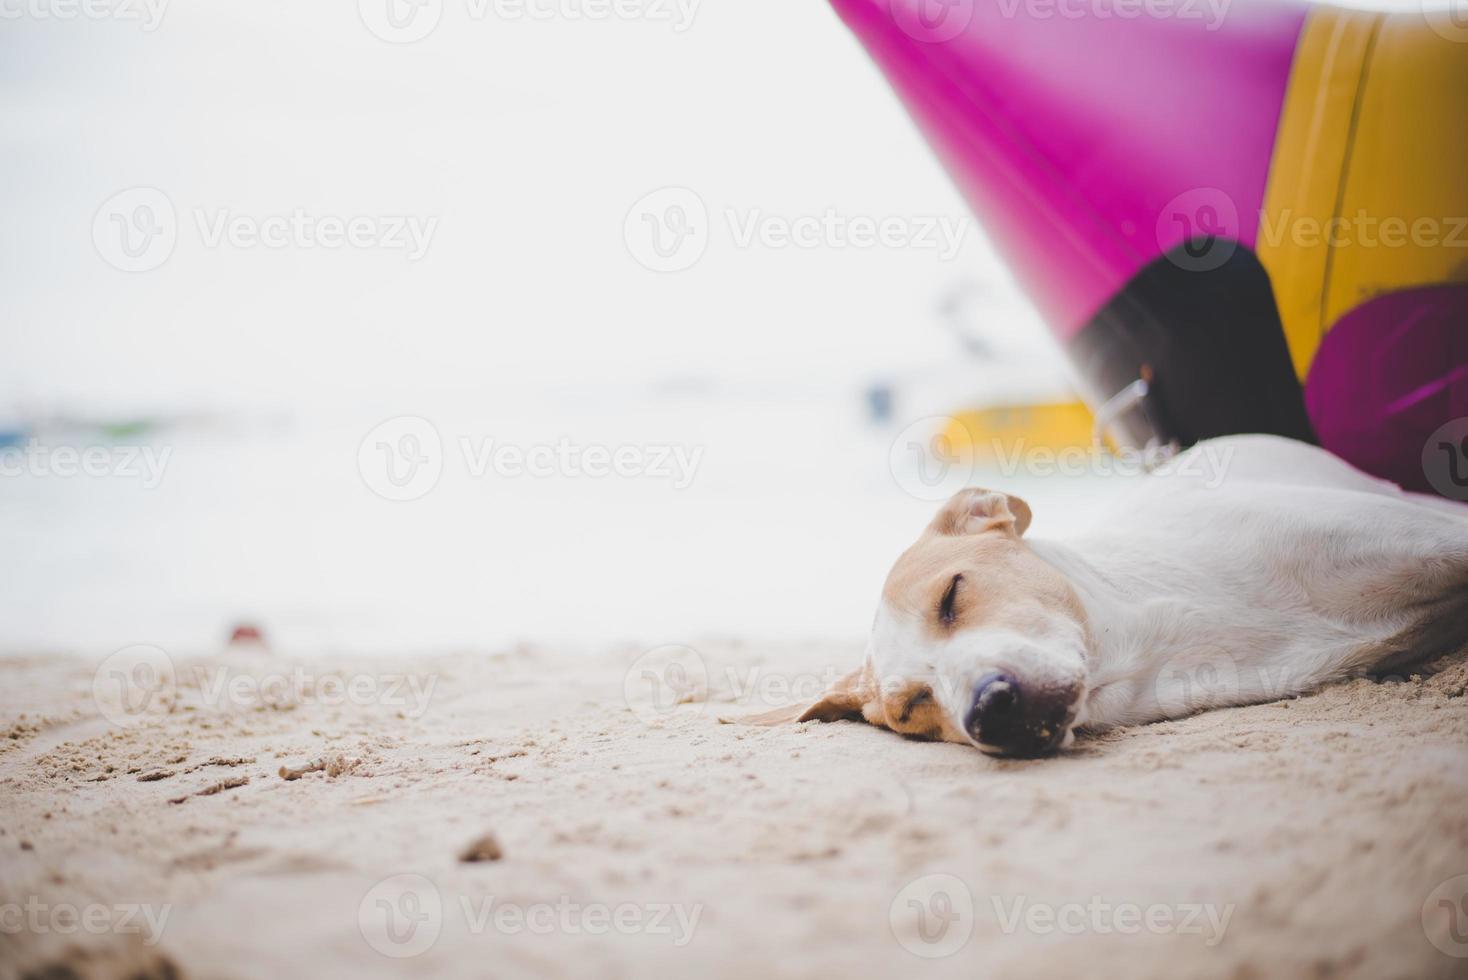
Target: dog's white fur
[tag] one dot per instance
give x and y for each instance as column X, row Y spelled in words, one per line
column 1294, row 571
column 1297, row 570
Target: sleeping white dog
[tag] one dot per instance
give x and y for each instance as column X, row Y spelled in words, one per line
column 1294, row 571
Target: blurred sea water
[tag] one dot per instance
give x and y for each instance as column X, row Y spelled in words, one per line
column 530, row 318
column 794, row 511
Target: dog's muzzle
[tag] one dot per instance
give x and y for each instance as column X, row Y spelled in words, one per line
column 1011, row 718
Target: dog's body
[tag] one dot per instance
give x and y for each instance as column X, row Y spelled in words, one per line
column 1292, row 571
column 1295, row 571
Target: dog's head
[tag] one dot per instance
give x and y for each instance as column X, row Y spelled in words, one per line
column 976, row 640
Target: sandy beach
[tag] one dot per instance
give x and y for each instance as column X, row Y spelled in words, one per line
column 397, row 375
column 533, row 812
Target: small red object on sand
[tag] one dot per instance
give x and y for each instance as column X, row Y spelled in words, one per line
column 246, row 634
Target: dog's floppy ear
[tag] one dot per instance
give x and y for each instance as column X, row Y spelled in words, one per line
column 847, row 697
column 975, row 510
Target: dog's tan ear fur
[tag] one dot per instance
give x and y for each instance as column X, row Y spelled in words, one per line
column 976, row 510
column 847, row 697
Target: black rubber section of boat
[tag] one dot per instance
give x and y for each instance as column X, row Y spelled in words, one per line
column 1203, row 321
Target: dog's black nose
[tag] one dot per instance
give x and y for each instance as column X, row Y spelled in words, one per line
column 995, row 711
column 1008, row 718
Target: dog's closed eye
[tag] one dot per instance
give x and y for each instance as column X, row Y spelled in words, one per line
column 946, row 611
column 921, row 697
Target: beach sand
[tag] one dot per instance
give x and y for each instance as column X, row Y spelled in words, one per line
column 254, row 818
